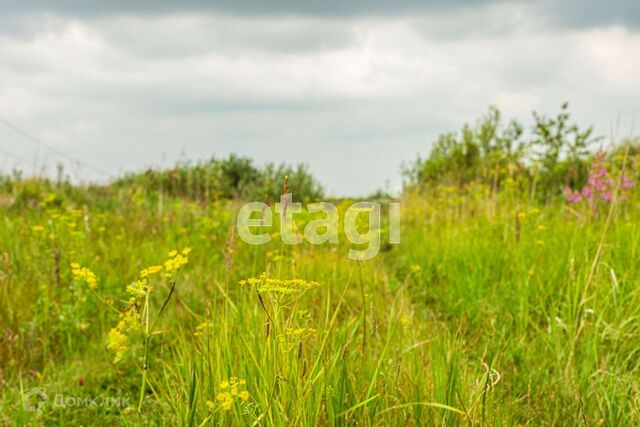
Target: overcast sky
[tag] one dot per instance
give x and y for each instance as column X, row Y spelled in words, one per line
column 351, row 88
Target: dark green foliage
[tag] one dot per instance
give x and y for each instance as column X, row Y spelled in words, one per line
column 302, row 184
column 561, row 151
column 231, row 178
column 554, row 155
column 486, row 152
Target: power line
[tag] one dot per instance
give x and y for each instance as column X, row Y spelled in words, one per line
column 39, row 142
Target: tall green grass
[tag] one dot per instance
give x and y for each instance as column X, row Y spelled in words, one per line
column 493, row 310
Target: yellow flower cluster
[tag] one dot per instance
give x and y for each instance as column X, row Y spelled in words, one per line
column 139, row 290
column 533, row 212
column 405, row 321
column 202, row 328
column 49, row 200
column 299, row 331
column 118, row 338
column 416, row 270
column 83, row 273
column 176, row 261
column 540, row 230
column 278, row 286
column 82, row 326
column 149, row 271
column 231, row 391
column 117, row 342
column 37, row 229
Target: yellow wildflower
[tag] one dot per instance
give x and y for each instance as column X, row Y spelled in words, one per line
column 232, row 390
column 201, row 328
column 416, row 270
column 176, row 261
column 139, row 289
column 82, row 326
column 154, row 269
column 279, row 286
column 226, row 400
column 405, row 322
column 84, row 274
column 299, row 331
column 129, row 320
column 116, row 341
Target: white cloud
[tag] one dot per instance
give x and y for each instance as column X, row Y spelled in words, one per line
column 352, row 97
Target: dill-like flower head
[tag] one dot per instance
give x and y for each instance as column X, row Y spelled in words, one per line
column 176, row 261
column 84, row 274
column 231, row 390
column 149, row 271
column 297, row 332
column 202, row 328
column 266, row 284
column 117, row 342
column 139, row 289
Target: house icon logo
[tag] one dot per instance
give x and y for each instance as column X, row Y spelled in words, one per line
column 34, row 400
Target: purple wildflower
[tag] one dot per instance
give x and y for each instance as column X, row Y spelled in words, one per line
column 600, row 185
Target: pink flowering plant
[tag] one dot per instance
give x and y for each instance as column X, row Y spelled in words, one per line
column 600, row 186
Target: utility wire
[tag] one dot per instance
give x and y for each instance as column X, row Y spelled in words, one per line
column 39, row 142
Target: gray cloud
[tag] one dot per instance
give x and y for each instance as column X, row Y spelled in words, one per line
column 351, row 93
column 570, row 13
column 593, row 13
column 190, row 34
column 329, row 8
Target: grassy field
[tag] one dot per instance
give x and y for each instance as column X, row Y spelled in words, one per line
column 494, row 309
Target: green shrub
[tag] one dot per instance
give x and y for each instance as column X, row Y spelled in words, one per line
column 232, row 178
column 555, row 154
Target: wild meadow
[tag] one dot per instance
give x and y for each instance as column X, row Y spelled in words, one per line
column 513, row 297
